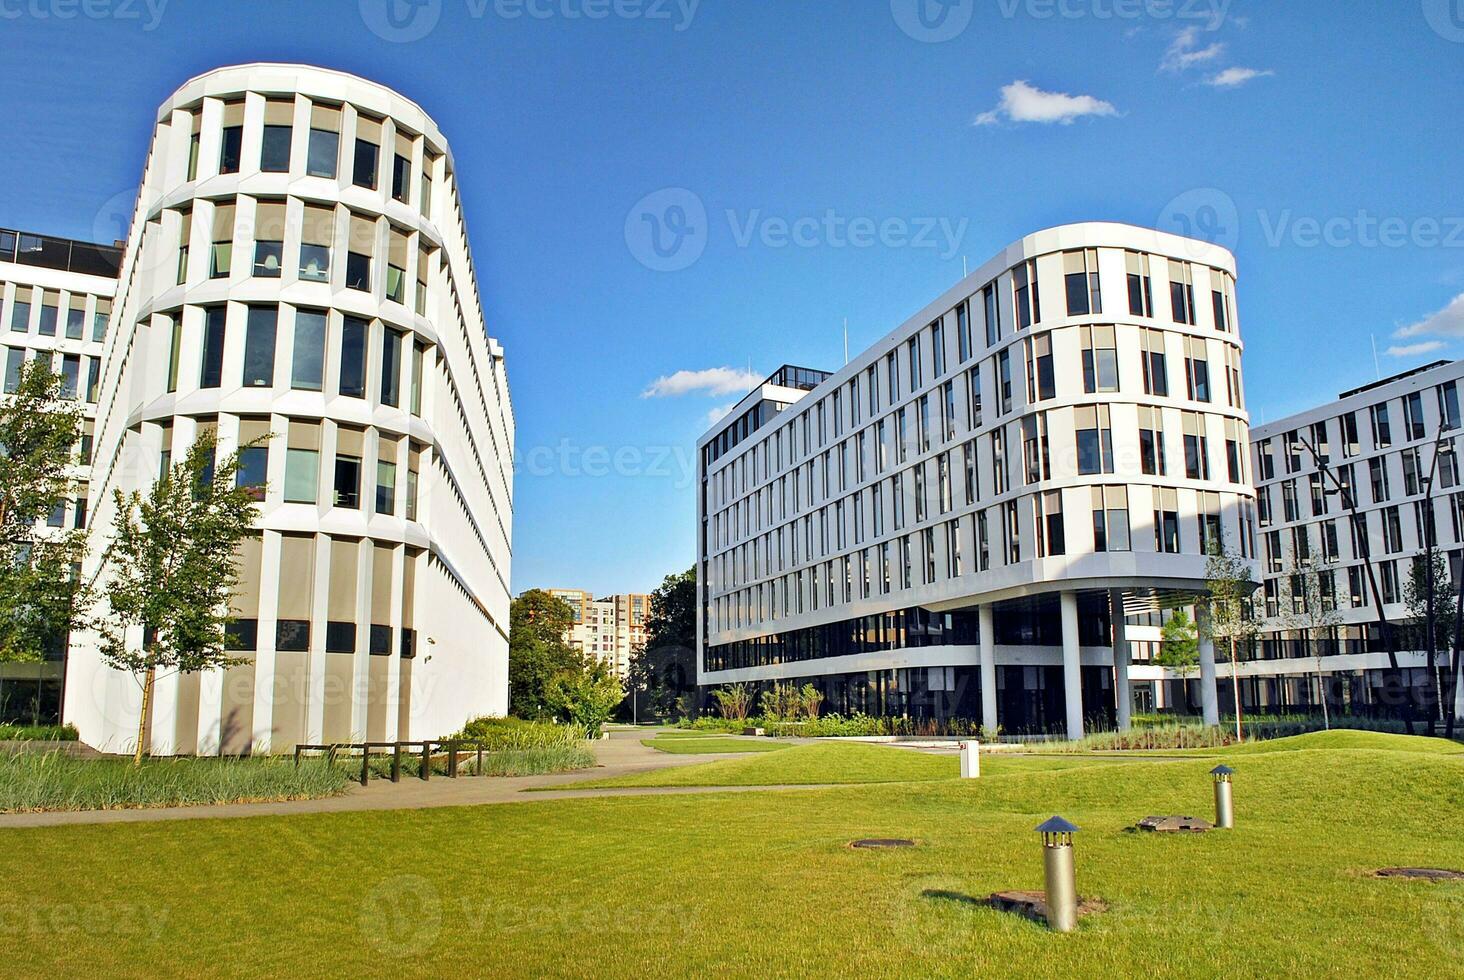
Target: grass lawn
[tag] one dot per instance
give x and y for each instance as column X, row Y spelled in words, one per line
column 764, row 884
column 713, row 745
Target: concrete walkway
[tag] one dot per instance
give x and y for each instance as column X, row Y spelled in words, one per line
column 618, row 755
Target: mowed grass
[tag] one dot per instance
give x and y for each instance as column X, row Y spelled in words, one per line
column 712, row 746
column 765, row 884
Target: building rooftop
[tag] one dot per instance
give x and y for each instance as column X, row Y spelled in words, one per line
column 64, row 254
column 1389, row 380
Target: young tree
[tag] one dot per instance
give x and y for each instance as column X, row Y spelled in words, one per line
column 585, row 697
column 1232, row 622
column 41, row 598
column 733, row 701
column 1313, row 613
column 1179, row 646
column 538, row 651
column 1416, row 599
column 173, row 562
column 665, row 667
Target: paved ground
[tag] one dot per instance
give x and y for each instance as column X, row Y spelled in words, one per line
column 618, row 755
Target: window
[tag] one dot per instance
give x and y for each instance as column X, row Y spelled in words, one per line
column 348, row 481
column 1095, row 439
column 57, row 516
column 269, row 239
column 253, row 467
column 1182, row 292
column 1166, row 521
column 1151, row 441
column 185, row 237
column 1448, row 394
column 937, row 350
column 401, row 170
column 193, row 143
column 231, row 147
column 912, row 357
column 70, row 375
column 307, row 371
column 358, row 271
column 292, row 635
column 993, row 315
column 973, row 396
column 221, row 253
column 1197, row 369
column 418, row 354
column 302, row 476
column 76, row 318
column 175, row 345
column 1051, row 539
column 1234, row 443
column 396, row 266
column 1035, row 449
column 259, row 346
column 1081, row 273
column 1211, row 537
column 1111, row 519
column 47, row 325
column 1350, row 444
column 1413, row 416
column 14, row 362
column 1156, row 369
column 353, row 357
column 1382, row 432
column 20, row 316
column 1196, row 447
column 316, row 237
column 391, row 367
column 79, row 514
column 1024, row 282
column 1100, row 359
column 1378, row 472
column 368, row 152
column 274, row 154
column 1041, row 384
column 212, row 373
column 963, row 331
column 385, row 487
column 325, row 141
column 1220, row 295
column 1140, row 289
column 1012, row 533
column 340, row 637
column 892, row 378
column 1392, row 531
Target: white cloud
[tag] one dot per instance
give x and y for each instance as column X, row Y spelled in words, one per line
column 719, row 413
column 1185, row 52
column 1022, row 102
column 712, row 381
column 1413, row 350
column 1236, row 77
column 1448, row 322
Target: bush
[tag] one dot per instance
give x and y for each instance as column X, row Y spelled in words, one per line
column 37, row 781
column 536, row 761
column 38, row 733
column 516, row 734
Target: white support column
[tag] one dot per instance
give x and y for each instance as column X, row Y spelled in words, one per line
column 988, row 667
column 1123, row 696
column 1209, row 697
column 1458, row 695
column 1072, row 673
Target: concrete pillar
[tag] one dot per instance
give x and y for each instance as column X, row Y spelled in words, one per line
column 1209, row 697
column 1123, row 696
column 1072, row 673
column 988, row 667
column 1458, row 696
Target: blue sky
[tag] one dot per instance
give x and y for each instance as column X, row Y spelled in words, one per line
column 1320, row 139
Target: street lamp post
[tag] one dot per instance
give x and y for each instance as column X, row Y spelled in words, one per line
column 1360, row 528
column 1442, row 447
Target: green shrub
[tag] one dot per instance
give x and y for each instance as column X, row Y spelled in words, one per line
column 503, row 734
column 38, row 733
column 35, row 781
column 535, row 761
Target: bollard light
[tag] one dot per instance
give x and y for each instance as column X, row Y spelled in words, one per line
column 971, row 760
column 1062, row 887
column 1224, row 810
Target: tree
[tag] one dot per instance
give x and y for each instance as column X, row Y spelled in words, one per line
column 665, row 667
column 173, row 562
column 1417, row 598
column 733, row 701
column 1179, row 647
column 585, row 697
column 1231, row 619
column 538, row 651
column 41, row 597
column 1313, row 613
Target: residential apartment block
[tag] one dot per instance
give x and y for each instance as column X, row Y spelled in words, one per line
column 1375, row 474
column 968, row 517
column 610, row 629
column 55, row 305
column 297, row 280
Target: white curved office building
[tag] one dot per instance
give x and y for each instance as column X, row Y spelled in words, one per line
column 986, row 513
column 298, row 270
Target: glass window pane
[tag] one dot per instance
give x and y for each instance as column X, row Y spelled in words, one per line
column 253, row 465
column 385, row 487
column 212, row 374
column 391, row 368
column 70, row 375
column 348, row 482
column 353, row 357
column 267, row 259
column 302, row 476
column 14, row 360
column 358, row 271
column 20, row 317
column 274, row 156
column 259, row 347
column 229, row 151
column 315, row 263
column 48, row 321
column 324, row 152
column 365, row 170
column 307, row 373
column 75, row 323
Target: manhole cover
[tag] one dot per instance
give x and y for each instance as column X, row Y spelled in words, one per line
column 1422, row 874
column 1175, row 825
column 1033, row 905
column 879, row 842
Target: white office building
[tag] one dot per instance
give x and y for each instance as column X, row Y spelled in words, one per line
column 1390, row 450
column 970, row 517
column 297, row 271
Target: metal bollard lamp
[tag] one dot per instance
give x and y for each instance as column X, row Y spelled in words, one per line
column 1224, row 804
column 1062, row 888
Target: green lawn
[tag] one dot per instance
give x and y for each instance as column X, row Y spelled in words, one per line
column 764, row 884
column 713, row 746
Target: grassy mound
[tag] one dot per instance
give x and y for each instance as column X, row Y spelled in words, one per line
column 712, row 745
column 1344, row 739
